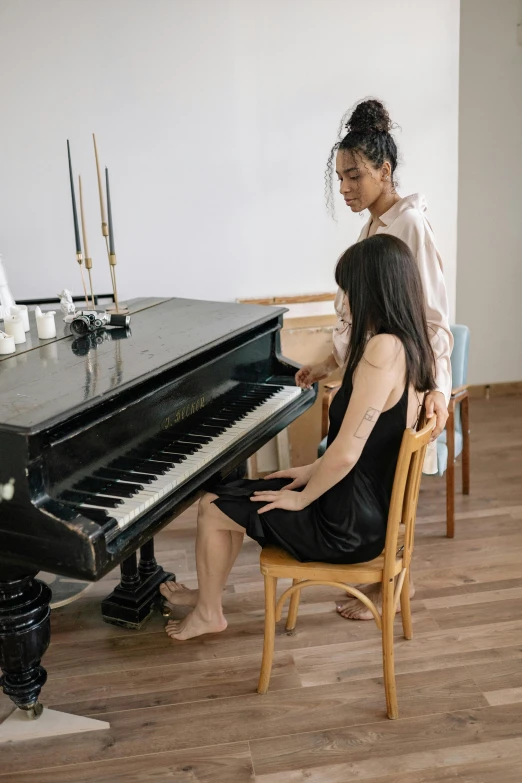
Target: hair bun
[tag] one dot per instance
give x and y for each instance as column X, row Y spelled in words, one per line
column 369, row 116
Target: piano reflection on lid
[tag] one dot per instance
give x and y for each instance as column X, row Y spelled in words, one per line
column 82, row 345
column 101, row 466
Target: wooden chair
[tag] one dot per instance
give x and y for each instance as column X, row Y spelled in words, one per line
column 391, row 569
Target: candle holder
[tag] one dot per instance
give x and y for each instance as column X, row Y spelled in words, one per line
column 79, row 258
column 88, row 259
column 117, row 307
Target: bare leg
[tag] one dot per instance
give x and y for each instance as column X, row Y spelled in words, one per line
column 218, row 543
column 353, row 609
column 177, row 594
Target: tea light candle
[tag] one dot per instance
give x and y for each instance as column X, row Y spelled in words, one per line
column 7, row 343
column 23, row 312
column 45, row 324
column 14, row 326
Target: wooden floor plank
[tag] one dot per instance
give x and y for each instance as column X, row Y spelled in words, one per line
column 388, row 740
column 217, row 764
column 473, row 763
column 167, row 685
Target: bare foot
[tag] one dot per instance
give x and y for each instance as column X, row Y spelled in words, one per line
column 177, row 594
column 351, row 601
column 194, row 624
column 356, row 610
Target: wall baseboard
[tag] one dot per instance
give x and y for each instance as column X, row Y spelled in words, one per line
column 510, row 389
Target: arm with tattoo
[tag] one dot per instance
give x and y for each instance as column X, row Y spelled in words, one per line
column 379, row 373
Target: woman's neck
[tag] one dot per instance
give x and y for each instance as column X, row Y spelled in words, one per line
column 383, row 204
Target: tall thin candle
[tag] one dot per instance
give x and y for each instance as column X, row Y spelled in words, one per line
column 75, row 216
column 82, row 215
column 109, row 213
column 100, row 189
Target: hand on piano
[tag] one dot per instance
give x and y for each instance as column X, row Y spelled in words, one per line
column 301, row 476
column 310, row 374
column 286, row 499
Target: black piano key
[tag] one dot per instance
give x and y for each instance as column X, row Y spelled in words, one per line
column 139, row 466
column 183, row 449
column 80, row 498
column 124, row 475
column 159, row 451
column 207, row 430
column 167, row 461
column 197, row 440
column 116, row 491
column 100, row 486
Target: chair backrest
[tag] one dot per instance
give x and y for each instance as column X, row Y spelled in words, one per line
column 459, row 355
column 405, row 493
column 459, row 363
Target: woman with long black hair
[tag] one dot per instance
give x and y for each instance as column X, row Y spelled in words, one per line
column 336, row 509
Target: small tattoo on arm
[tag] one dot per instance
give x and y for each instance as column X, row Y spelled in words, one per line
column 366, row 426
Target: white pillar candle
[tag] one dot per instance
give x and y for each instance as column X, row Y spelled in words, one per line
column 23, row 312
column 7, row 343
column 45, row 324
column 14, row 326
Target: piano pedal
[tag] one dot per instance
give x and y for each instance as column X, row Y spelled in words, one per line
column 165, row 609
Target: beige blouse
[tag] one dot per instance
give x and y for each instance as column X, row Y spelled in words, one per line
column 407, row 220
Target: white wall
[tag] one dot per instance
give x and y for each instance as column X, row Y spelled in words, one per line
column 215, row 118
column 490, row 188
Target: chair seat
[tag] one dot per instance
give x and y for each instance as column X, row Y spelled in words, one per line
column 276, row 562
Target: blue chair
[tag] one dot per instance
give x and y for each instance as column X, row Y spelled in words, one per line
column 455, row 438
column 454, row 441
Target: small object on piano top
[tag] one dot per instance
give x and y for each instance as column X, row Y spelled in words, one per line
column 90, row 321
column 14, row 326
column 67, row 305
column 7, row 343
column 45, row 324
column 22, row 311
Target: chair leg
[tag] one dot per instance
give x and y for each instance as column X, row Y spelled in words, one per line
column 268, row 644
column 466, row 453
column 406, row 608
column 450, row 476
column 291, row 620
column 388, row 616
column 450, row 500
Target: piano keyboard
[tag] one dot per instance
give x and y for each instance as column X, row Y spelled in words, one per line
column 136, row 481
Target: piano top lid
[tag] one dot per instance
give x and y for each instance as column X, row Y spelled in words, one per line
column 45, row 382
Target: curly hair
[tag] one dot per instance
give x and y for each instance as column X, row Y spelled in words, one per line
column 368, row 131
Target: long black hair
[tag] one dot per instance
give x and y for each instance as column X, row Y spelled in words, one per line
column 365, row 129
column 382, row 282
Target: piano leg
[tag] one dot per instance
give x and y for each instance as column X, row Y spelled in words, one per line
column 25, row 632
column 137, row 595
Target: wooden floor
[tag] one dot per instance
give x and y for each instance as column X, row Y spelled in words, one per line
column 188, row 712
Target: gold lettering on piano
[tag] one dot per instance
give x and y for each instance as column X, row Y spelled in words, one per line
column 182, row 413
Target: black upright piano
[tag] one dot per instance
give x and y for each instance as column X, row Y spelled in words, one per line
column 104, row 439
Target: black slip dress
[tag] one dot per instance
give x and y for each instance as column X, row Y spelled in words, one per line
column 347, row 524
